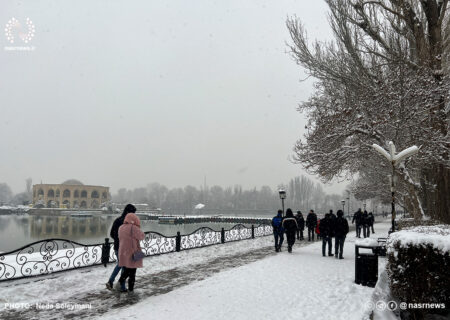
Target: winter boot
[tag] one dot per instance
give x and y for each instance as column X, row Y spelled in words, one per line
column 109, row 285
column 290, row 249
column 130, row 285
column 122, row 286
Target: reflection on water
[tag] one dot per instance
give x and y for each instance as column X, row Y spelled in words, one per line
column 18, row 231
column 68, row 227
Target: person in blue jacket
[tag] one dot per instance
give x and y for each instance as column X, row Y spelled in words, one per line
column 278, row 230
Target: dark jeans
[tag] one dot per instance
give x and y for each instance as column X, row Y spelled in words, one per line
column 290, row 236
column 129, row 273
column 116, row 269
column 326, row 240
column 373, row 231
column 339, row 246
column 366, row 231
column 279, row 238
column 358, row 230
column 311, row 233
column 300, row 234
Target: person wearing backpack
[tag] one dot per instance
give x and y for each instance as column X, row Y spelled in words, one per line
column 290, row 225
column 278, row 230
column 311, row 222
column 340, row 232
column 325, row 233
column 300, row 224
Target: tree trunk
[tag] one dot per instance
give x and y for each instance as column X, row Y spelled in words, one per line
column 437, row 198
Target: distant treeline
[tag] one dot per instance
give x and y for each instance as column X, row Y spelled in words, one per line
column 302, row 194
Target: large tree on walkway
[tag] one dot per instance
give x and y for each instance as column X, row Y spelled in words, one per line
column 384, row 77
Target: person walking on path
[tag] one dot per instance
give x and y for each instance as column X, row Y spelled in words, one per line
column 365, row 224
column 357, row 218
column 332, row 225
column 114, row 234
column 325, row 233
column 371, row 221
column 301, row 225
column 290, row 225
column 311, row 222
column 317, row 230
column 278, row 230
column 340, row 232
column 130, row 234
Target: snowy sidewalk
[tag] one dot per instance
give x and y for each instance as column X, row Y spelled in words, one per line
column 284, row 286
column 245, row 279
column 161, row 274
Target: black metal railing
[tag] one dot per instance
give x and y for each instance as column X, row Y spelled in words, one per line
column 56, row 255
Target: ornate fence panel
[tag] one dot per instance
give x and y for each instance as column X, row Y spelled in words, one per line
column 156, row 243
column 238, row 232
column 263, row 230
column 47, row 256
column 54, row 255
column 201, row 237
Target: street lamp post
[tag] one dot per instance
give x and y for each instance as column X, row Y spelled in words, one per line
column 364, row 204
column 394, row 159
column 343, row 206
column 282, row 197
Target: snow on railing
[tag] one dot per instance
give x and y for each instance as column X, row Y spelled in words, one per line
column 56, row 255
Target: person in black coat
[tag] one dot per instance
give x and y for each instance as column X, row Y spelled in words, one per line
column 332, row 223
column 325, row 229
column 357, row 218
column 340, row 232
column 371, row 221
column 290, row 226
column 301, row 225
column 311, row 222
column 365, row 224
column 114, row 234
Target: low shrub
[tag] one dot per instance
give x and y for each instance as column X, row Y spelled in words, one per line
column 419, row 268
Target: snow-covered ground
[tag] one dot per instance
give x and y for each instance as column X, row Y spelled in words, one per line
column 300, row 285
column 287, row 286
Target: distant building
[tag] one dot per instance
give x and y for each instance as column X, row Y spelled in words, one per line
column 70, row 194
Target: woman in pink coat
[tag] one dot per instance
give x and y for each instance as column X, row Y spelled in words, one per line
column 129, row 235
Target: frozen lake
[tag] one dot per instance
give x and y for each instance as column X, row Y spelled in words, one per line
column 19, row 230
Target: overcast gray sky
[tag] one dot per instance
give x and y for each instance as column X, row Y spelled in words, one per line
column 123, row 93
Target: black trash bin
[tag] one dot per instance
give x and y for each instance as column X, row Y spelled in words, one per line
column 380, row 250
column 366, row 267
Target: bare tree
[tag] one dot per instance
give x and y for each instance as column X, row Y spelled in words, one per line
column 381, row 79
